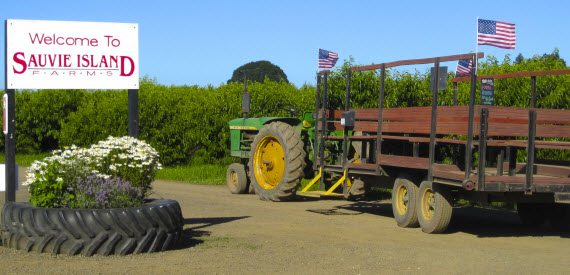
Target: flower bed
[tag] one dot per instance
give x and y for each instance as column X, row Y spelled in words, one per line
column 116, row 172
column 93, row 201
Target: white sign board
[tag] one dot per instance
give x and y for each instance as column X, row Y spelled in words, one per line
column 71, row 55
column 3, row 178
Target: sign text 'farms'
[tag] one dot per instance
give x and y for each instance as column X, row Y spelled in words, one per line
column 71, row 55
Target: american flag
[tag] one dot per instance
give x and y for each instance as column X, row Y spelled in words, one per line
column 495, row 33
column 327, row 59
column 463, row 67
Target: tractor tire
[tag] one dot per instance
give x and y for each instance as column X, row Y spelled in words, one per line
column 434, row 208
column 236, row 178
column 250, row 189
column 405, row 201
column 155, row 226
column 356, row 191
column 276, row 162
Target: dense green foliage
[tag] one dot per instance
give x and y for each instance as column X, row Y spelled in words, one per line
column 257, row 72
column 189, row 123
column 405, row 88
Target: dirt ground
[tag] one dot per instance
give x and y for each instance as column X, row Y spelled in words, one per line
column 240, row 234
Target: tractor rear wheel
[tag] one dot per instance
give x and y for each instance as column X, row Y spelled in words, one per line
column 236, row 178
column 276, row 162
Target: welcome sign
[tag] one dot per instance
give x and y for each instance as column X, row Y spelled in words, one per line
column 71, row 55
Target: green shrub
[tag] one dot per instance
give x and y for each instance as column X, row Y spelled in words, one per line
column 100, row 114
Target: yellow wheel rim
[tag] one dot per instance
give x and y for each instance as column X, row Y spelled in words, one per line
column 428, row 204
column 269, row 162
column 402, row 200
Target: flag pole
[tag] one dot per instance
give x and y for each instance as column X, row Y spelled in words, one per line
column 476, row 46
column 318, row 52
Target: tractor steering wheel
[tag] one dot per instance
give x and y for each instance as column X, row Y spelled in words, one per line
column 291, row 109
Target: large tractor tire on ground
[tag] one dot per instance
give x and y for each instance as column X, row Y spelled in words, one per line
column 236, row 178
column 276, row 162
column 434, row 207
column 405, row 201
column 155, row 226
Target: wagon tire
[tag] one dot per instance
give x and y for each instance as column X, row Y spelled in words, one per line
column 405, row 201
column 434, row 207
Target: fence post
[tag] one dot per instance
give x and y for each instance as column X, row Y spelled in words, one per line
column 134, row 113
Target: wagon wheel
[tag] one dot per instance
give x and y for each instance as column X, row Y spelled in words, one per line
column 404, row 201
column 434, row 209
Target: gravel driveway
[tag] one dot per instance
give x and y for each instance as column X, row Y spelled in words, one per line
column 240, row 234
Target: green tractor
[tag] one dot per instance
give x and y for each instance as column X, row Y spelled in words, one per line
column 276, row 153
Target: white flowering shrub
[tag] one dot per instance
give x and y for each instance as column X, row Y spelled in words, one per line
column 63, row 179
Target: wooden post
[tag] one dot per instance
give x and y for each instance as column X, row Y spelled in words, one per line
column 482, row 150
column 454, row 93
column 10, row 148
column 317, row 108
column 345, row 134
column 134, row 113
column 469, row 145
column 380, row 117
column 323, row 132
column 10, row 138
column 533, row 91
column 529, row 186
column 433, row 130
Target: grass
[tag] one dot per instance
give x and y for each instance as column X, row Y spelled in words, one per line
column 206, row 174
column 203, row 174
column 25, row 160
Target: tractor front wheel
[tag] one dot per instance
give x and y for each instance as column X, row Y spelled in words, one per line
column 236, row 178
column 276, row 162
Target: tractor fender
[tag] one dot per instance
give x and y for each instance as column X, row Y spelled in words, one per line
column 294, row 122
column 289, row 120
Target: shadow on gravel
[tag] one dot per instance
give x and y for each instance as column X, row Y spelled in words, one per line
column 191, row 229
column 197, row 223
column 489, row 223
column 189, row 238
column 481, row 222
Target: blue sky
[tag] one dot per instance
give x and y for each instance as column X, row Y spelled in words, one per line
column 202, row 42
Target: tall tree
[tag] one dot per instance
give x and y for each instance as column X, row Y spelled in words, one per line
column 257, row 71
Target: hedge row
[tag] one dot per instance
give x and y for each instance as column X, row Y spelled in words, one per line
column 178, row 121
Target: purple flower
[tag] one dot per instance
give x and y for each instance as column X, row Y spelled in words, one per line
column 99, row 192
